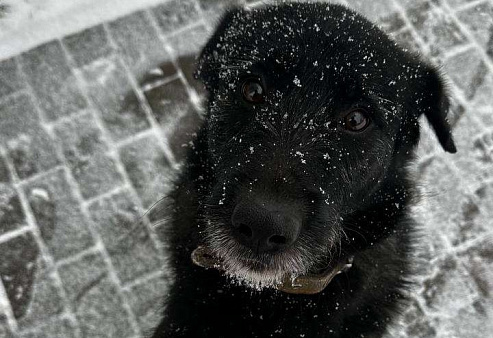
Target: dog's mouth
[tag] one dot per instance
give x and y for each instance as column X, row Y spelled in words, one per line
column 306, row 284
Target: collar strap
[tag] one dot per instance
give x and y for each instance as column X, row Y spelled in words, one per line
column 311, row 284
column 308, row 284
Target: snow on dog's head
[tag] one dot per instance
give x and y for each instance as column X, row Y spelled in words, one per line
column 310, row 108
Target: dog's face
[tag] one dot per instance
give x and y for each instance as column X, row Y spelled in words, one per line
column 311, row 111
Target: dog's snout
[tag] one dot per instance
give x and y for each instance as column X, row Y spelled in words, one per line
column 265, row 227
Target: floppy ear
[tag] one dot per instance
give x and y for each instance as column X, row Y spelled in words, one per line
column 435, row 106
column 209, row 61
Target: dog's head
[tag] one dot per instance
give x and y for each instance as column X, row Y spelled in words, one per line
column 312, row 116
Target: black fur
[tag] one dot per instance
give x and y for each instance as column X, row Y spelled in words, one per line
column 317, row 62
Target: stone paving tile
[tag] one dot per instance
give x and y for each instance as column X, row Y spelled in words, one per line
column 180, row 138
column 482, row 98
column 101, row 314
column 97, row 304
column 475, row 159
column 160, row 74
column 88, row 46
column 392, row 22
column 436, row 27
column 187, row 66
column 176, row 14
column 52, row 81
column 4, row 327
column 111, row 91
column 417, row 324
column 148, row 169
column 168, row 101
column 80, row 276
column 85, row 152
column 479, row 20
column 180, row 43
column 5, row 175
column 96, row 175
column 117, row 220
column 456, row 3
column 478, row 261
column 80, row 137
column 372, row 9
column 17, row 271
column 61, row 223
column 467, row 70
column 32, row 153
column 467, row 321
column 22, row 117
column 171, row 101
column 214, row 9
column 447, row 190
column 58, row 328
column 11, row 213
column 449, row 287
column 146, row 301
column 10, row 79
column 138, row 43
column 218, row 5
column 46, row 301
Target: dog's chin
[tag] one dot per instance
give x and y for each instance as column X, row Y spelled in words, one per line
column 258, row 271
column 256, row 275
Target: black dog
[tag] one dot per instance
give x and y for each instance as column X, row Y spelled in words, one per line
column 299, row 171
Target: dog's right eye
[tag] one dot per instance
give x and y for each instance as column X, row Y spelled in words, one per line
column 357, row 120
column 252, row 91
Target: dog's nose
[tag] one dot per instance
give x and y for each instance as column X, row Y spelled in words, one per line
column 266, row 227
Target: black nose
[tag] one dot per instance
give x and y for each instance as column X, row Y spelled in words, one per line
column 265, row 227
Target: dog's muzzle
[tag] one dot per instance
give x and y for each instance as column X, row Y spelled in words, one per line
column 308, row 284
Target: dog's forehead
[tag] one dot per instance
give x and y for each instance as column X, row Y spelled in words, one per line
column 291, row 32
column 312, row 40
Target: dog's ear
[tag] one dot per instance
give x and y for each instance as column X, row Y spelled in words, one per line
column 209, row 61
column 434, row 104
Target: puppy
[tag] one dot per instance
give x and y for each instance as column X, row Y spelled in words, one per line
column 291, row 218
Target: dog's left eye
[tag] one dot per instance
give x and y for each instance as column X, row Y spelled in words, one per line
column 252, row 91
column 357, row 120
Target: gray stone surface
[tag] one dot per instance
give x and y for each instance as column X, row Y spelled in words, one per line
column 17, row 271
column 146, row 300
column 58, row 215
column 10, row 79
column 93, row 125
column 148, row 168
column 112, row 93
column 55, row 328
column 88, row 46
column 179, row 42
column 138, row 42
column 46, row 300
column 169, row 101
column 87, row 156
column 11, row 213
column 22, row 117
column 52, row 81
column 127, row 240
column 176, row 14
column 436, row 27
column 93, row 292
column 32, row 152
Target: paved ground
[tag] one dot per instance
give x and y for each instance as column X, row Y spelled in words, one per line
column 89, row 139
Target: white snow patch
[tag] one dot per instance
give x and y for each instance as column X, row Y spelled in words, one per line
column 29, row 23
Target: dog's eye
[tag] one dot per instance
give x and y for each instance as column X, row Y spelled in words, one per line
column 356, row 120
column 253, row 91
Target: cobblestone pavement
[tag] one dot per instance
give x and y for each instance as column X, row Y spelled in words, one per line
column 90, row 136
